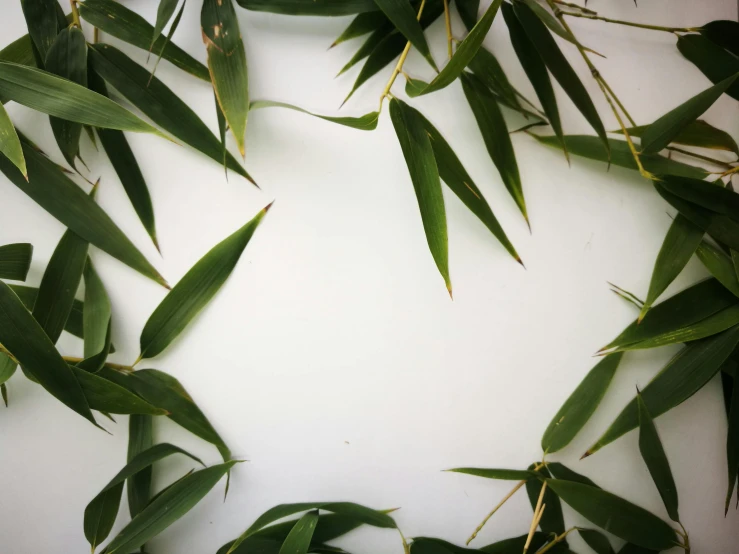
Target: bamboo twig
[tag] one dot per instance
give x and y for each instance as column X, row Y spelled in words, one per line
column 448, row 22
column 629, row 23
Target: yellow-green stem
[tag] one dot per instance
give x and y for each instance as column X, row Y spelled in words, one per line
column 629, row 23
column 583, row 9
column 558, row 539
column 69, row 360
column 448, row 22
column 75, row 13
column 700, row 156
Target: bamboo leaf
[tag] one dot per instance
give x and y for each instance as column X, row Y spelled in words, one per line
column 368, row 46
column 195, row 290
column 590, row 147
column 96, row 316
column 560, row 68
column 310, row 7
column 19, row 51
column 465, row 53
column 138, row 485
column 7, row 370
column 552, row 520
column 680, row 379
column 707, row 195
column 596, row 540
column 468, row 10
column 453, row 173
column 580, row 406
column 170, row 34
column 15, row 261
column 64, row 200
column 167, row 508
column 419, row 156
column 699, row 133
column 227, row 64
column 299, row 539
column 714, row 62
column 158, row 102
column 562, row 472
column 367, row 122
column 553, row 23
column 724, row 33
column 720, row 265
column 536, row 71
column 59, row 284
column 732, row 443
column 402, row 15
column 681, row 242
column 165, row 11
column 42, row 23
column 495, row 134
column 361, row 25
column 515, row 545
column 654, row 456
column 426, row 545
column 665, row 129
column 10, row 144
column 26, row 341
column 107, row 397
column 115, row 19
column 501, row 474
column 616, row 515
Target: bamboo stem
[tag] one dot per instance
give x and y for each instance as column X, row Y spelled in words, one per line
column 583, row 9
column 557, row 540
column 75, row 13
column 538, row 512
column 448, row 22
column 700, row 156
column 592, row 16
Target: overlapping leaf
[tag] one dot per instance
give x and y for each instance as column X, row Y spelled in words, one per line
column 138, row 485
column 10, row 144
column 15, row 260
column 716, row 63
column 42, row 23
column 108, row 397
column 367, row 122
column 720, row 265
column 96, row 321
column 401, row 14
column 724, row 33
column 310, row 7
column 699, row 133
column 361, row 25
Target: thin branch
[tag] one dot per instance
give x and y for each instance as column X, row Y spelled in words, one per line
column 556, row 541
column 700, row 157
column 448, row 22
column 631, row 23
column 75, row 13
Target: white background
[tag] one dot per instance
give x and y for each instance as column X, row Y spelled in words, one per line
column 333, row 359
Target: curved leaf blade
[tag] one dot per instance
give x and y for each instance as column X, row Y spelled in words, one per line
column 299, row 539
column 42, row 22
column 493, row 473
column 10, row 144
column 361, row 25
column 96, row 320
column 138, row 485
column 165, row 11
column 310, row 7
column 714, row 62
column 15, row 261
column 366, row 122
column 699, row 133
column 596, row 540
column 724, row 33
column 720, row 265
column 107, row 397
column 401, row 14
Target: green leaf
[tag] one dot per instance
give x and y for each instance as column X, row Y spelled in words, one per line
column 705, row 194
column 63, row 199
column 402, row 15
column 42, row 22
column 166, row 392
column 616, row 515
column 368, row 46
column 167, row 508
column 699, row 134
column 501, row 474
column 683, row 311
column 724, row 33
column 663, row 131
column 15, row 261
column 107, row 397
column 355, row 511
column 714, row 62
column 680, row 379
column 590, row 147
column 419, row 156
column 465, row 53
column 158, row 102
column 654, row 456
column 10, row 144
column 310, row 7
column 426, row 545
column 367, row 122
column 553, row 23
column 170, row 34
column 732, row 443
column 681, row 242
column 73, row 326
column 560, row 68
column 495, row 134
column 199, row 285
column 536, row 71
column 126, row 167
column 96, row 316
column 47, row 93
column 515, row 545
column 138, row 485
column 102, row 510
column 596, row 540
column 580, row 406
column 552, row 520
column 299, row 539
column 59, row 284
column 67, row 58
column 26, row 341
column 19, row 51
column 468, row 10
column 227, row 64
column 165, row 11
column 720, row 265
column 562, row 472
column 115, row 19
column 453, row 173
column 361, row 25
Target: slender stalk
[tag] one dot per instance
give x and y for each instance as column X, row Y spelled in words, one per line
column 583, row 9
column 538, row 512
column 69, row 360
column 406, row 547
column 589, row 15
column 448, row 22
column 700, row 156
column 95, row 35
column 401, row 61
column 558, row 539
column 75, row 13
column 727, row 173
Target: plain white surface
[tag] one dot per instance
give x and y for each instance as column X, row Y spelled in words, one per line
column 333, row 360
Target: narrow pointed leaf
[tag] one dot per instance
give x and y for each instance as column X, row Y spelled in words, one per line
column 552, row 520
column 165, row 11
column 699, row 133
column 158, row 102
column 138, row 485
column 724, row 33
column 170, row 34
column 536, row 71
column 580, row 406
column 495, row 134
column 299, row 539
column 368, row 46
column 117, row 20
column 516, row 544
column 596, row 540
column 663, row 131
column 402, row 15
column 310, row 7
column 590, row 147
column 560, row 68
column 64, row 200
column 680, row 379
column 167, row 508
column 96, row 315
column 488, row 69
column 419, row 156
column 361, row 25
column 19, row 51
column 367, row 122
column 562, row 472
column 732, row 442
column 465, row 53
column 681, row 242
column 720, row 265
column 195, row 290
column 10, row 144
column 654, row 456
column 714, row 62
column 468, row 10
column 453, row 173
column 227, row 64
column 107, row 397
column 500, row 474
column 705, row 194
column 42, row 23
column 59, row 284
column 616, row 515
column 552, row 22
column 26, row 341
column 427, row 545
column 15, row 261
